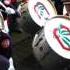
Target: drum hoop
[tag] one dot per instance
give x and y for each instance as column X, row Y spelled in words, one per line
column 60, row 16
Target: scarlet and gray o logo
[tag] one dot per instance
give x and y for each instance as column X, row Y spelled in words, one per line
column 62, row 35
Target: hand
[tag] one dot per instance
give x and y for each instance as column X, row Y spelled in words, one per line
column 10, row 10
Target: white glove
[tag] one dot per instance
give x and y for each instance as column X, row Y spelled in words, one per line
column 11, row 67
column 6, row 29
column 10, row 10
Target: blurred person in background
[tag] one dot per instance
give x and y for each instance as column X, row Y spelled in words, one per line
column 5, row 38
column 12, row 23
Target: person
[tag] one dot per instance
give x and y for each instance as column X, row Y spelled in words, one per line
column 5, row 12
column 5, row 47
column 5, row 38
column 12, row 23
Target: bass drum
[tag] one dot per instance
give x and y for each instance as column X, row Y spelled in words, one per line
column 41, row 10
column 43, row 52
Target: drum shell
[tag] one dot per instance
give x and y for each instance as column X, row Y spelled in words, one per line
column 40, row 45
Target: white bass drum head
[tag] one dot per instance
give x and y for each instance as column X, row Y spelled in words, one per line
column 57, row 34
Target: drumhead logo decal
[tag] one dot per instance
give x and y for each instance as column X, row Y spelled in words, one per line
column 41, row 10
column 62, row 34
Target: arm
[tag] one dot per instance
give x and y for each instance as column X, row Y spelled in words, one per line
column 8, row 9
column 2, row 5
